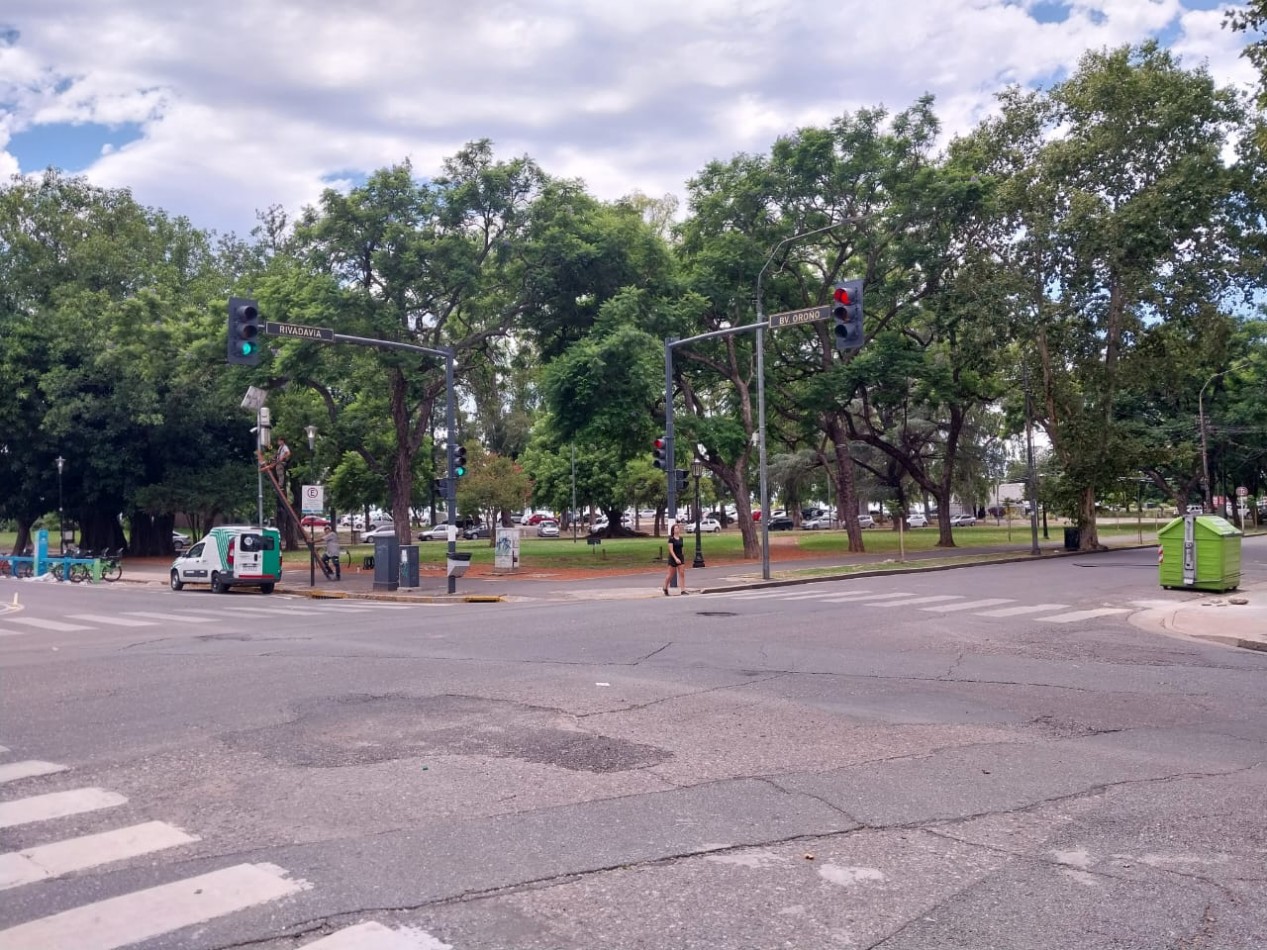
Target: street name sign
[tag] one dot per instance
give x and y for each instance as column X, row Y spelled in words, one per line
column 299, row 331
column 792, row 318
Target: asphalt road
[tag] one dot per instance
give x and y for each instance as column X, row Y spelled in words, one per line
column 986, row 758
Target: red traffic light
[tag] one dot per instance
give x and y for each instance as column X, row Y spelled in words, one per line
column 659, row 444
column 842, row 296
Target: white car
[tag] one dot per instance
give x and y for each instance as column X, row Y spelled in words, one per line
column 708, row 526
column 382, row 531
column 962, row 521
column 916, row 521
column 821, row 523
column 439, row 533
column 866, row 521
column 180, row 541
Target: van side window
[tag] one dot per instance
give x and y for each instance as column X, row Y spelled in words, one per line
column 267, row 543
column 249, row 542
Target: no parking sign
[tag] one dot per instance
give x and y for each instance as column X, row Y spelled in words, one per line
column 312, row 499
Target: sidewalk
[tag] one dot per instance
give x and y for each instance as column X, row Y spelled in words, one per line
column 1237, row 618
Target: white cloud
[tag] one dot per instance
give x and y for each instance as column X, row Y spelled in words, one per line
column 243, row 104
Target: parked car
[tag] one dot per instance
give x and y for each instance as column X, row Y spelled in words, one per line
column 382, row 531
column 916, row 521
column 818, row 523
column 962, row 521
column 314, row 521
column 780, row 523
column 475, row 531
column 439, row 532
column 708, row 525
column 866, row 521
column 180, row 541
column 548, row 529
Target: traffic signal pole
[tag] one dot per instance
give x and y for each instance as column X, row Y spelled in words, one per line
column 326, row 335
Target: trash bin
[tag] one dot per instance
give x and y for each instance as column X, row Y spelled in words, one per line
column 459, row 562
column 386, row 563
column 1073, row 539
column 409, row 565
column 1199, row 552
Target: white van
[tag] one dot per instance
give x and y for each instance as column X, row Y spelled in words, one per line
column 231, row 556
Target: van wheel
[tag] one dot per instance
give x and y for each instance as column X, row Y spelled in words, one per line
column 218, row 586
column 177, row 583
column 266, row 588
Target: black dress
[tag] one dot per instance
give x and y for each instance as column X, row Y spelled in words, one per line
column 677, row 544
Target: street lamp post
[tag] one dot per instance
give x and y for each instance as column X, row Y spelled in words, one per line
column 697, row 469
column 1208, row 493
column 61, row 518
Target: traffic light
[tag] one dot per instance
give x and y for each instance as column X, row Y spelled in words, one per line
column 681, row 474
column 847, row 312
column 659, row 447
column 459, row 461
column 244, row 331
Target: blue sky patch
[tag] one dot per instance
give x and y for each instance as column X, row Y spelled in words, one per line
column 70, row 147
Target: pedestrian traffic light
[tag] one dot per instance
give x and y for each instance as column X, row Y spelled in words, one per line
column 244, row 331
column 659, row 447
column 681, row 474
column 847, row 312
column 459, row 461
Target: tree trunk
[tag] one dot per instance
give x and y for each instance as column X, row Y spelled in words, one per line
column 847, row 492
column 1089, row 538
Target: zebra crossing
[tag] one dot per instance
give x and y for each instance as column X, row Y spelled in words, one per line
column 151, row 913
column 993, row 607
column 18, row 623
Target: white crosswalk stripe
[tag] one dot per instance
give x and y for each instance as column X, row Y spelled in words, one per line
column 860, row 597
column 42, row 624
column 23, row 811
column 1077, row 615
column 969, row 605
column 77, row 854
column 13, row 633
column 114, row 621
column 142, row 915
column 1021, row 611
column 913, row 601
column 12, row 771
column 374, row 936
column 174, row 618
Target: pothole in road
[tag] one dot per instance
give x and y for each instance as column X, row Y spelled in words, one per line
column 364, row 730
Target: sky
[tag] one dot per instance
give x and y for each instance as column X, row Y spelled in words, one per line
column 216, row 110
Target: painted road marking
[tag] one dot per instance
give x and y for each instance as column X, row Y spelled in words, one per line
column 56, row 805
column 374, row 936
column 56, row 625
column 75, row 854
column 13, row 771
column 860, row 597
column 912, row 601
column 141, row 915
column 1084, row 615
column 970, row 605
column 113, row 620
column 1020, row 611
column 13, row 633
column 175, row 618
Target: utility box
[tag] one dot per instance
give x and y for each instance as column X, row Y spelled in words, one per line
column 409, row 565
column 386, row 563
column 1199, row 552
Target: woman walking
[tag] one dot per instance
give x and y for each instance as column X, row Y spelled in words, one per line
column 677, row 561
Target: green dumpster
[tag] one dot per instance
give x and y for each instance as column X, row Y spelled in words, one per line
column 1199, row 552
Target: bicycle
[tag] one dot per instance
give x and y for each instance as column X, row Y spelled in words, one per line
column 111, row 565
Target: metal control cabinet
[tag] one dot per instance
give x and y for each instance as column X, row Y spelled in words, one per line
column 386, row 563
column 1199, row 552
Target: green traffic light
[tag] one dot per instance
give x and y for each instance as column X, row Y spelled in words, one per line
column 248, row 349
column 459, row 471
